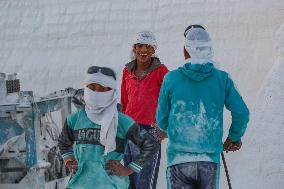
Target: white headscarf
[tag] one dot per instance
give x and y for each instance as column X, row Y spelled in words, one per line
column 198, row 44
column 101, row 108
column 146, row 37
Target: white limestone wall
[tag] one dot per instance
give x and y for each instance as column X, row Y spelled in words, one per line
column 50, row 43
column 261, row 163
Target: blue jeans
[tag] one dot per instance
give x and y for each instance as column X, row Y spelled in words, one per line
column 147, row 177
column 193, row 175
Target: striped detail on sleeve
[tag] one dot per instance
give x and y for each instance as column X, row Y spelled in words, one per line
column 136, row 168
column 67, row 155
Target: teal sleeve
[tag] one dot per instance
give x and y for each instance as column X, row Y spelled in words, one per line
column 239, row 111
column 164, row 107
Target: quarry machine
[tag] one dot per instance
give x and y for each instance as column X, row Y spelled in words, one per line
column 29, row 130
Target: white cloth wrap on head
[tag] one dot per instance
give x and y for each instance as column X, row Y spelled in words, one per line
column 146, row 37
column 107, row 81
column 101, row 108
column 198, row 44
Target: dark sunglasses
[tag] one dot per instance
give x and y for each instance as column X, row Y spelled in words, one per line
column 192, row 26
column 104, row 70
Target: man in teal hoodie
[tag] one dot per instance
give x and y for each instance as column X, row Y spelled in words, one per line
column 190, row 112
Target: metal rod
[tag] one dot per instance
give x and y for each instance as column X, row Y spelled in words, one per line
column 226, row 170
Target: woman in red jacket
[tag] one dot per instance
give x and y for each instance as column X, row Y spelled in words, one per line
column 141, row 82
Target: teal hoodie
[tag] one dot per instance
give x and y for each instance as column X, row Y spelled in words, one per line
column 91, row 172
column 190, row 111
column 80, row 138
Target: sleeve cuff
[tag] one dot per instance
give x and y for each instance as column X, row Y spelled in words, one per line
column 162, row 129
column 136, row 168
column 234, row 138
column 67, row 156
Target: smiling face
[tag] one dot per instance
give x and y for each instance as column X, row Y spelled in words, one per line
column 98, row 88
column 143, row 53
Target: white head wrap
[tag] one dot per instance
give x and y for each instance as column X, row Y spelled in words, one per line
column 198, row 44
column 101, row 108
column 146, row 37
column 101, row 79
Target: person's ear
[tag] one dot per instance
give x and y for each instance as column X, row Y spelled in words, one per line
column 134, row 48
column 185, row 53
column 153, row 51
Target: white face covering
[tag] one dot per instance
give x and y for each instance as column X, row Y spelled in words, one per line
column 97, row 101
column 101, row 108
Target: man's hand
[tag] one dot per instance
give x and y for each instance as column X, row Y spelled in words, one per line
column 161, row 135
column 114, row 167
column 229, row 145
column 72, row 165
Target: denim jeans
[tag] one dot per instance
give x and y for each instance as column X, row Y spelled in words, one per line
column 147, row 177
column 193, row 175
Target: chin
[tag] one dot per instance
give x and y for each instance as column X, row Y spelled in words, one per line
column 144, row 60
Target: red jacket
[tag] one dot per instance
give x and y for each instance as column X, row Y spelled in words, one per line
column 139, row 97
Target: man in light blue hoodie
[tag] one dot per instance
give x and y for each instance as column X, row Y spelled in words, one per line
column 190, row 112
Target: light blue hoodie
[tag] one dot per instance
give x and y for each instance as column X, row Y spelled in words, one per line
column 190, row 111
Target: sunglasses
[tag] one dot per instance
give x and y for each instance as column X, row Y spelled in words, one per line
column 104, row 70
column 192, row 26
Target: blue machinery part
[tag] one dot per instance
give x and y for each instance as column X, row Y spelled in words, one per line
column 25, row 119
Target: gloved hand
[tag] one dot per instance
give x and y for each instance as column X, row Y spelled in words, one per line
column 230, row 145
column 72, row 165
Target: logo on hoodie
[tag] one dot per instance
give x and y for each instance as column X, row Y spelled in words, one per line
column 87, row 136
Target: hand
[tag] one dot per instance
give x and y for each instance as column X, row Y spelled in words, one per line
column 114, row 167
column 161, row 135
column 72, row 165
column 230, row 145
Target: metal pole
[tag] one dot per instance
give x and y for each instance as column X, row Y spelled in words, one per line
column 226, row 170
